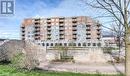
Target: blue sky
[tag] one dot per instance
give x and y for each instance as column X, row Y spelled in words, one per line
column 10, row 26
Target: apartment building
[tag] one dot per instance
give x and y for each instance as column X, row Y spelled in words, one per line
column 80, row 31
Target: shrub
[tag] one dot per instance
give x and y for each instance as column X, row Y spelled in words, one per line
column 21, row 60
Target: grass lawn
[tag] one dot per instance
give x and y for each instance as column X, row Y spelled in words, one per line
column 6, row 70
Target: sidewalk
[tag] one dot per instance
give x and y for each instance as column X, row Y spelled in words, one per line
column 84, row 68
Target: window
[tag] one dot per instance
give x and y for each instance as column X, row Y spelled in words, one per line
column 84, row 44
column 79, row 44
column 89, row 44
column 65, row 44
column 98, row 44
column 43, row 44
column 60, row 44
column 56, row 44
column 74, row 44
column 51, row 44
column 94, row 44
column 47, row 44
column 70, row 44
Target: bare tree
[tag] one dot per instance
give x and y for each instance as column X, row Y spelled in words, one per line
column 117, row 9
column 119, row 36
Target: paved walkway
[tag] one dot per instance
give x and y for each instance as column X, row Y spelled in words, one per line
column 84, row 68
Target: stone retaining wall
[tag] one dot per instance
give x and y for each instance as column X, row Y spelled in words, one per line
column 83, row 55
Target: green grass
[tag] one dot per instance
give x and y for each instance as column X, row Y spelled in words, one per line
column 6, row 70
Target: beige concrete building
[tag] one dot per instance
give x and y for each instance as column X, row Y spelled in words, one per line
column 78, row 31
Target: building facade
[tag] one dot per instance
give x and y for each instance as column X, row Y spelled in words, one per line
column 81, row 31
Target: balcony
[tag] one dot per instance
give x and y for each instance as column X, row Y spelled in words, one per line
column 23, row 35
column 98, row 29
column 23, row 31
column 36, row 27
column 38, row 38
column 61, row 22
column 98, row 33
column 23, row 38
column 36, row 31
column 37, row 19
column 48, row 38
column 74, row 33
column 48, row 35
column 74, row 38
column 48, row 26
column 74, row 19
column 74, row 22
column 48, row 20
column 74, row 29
column 62, row 32
column 37, row 23
column 61, row 38
column 48, row 29
column 61, row 29
column 74, row 25
column 23, row 27
column 88, row 33
column 88, row 25
column 61, row 25
column 99, row 25
column 61, row 19
column 37, row 35
column 88, row 29
column 98, row 38
column 88, row 37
